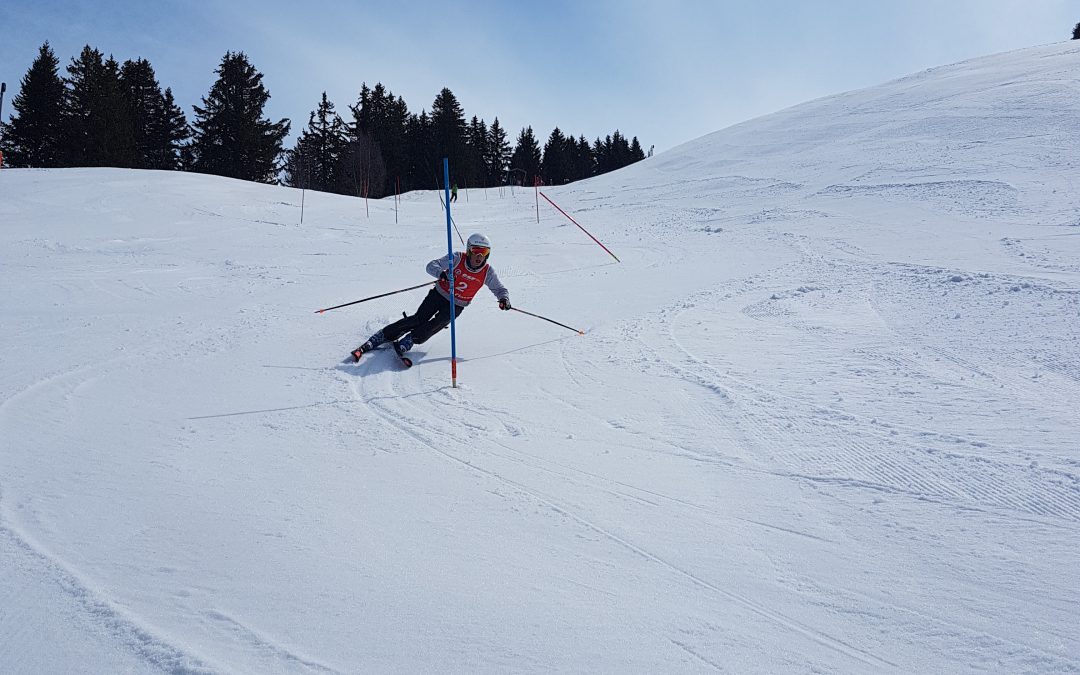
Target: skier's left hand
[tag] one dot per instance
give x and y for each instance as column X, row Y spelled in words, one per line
column 504, row 303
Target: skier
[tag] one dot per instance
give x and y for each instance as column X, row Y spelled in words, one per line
column 453, row 193
column 471, row 271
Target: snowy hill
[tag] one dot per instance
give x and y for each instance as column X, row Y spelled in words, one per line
column 824, row 417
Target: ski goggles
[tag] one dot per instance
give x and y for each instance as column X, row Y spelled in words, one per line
column 482, row 250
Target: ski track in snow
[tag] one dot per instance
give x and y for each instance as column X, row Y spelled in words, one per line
column 411, row 426
column 857, row 457
column 98, row 612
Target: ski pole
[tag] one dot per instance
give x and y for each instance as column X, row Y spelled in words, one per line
column 381, row 295
column 579, row 332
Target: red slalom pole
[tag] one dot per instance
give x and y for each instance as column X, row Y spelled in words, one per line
column 579, row 225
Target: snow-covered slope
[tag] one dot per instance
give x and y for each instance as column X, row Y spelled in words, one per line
column 824, row 418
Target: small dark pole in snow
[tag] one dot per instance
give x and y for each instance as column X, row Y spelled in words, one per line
column 3, row 88
column 303, row 185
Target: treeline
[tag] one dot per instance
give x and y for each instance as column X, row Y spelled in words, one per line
column 103, row 113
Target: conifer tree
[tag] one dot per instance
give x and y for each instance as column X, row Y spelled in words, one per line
column 232, row 137
column 168, row 147
column 142, row 93
column 1076, row 32
column 556, row 161
column 582, row 161
column 317, row 160
column 476, row 172
column 96, row 116
column 379, row 119
column 602, row 153
column 525, row 162
column 421, row 156
column 395, row 144
column 620, row 150
column 158, row 125
column 498, row 155
column 35, row 135
column 448, row 132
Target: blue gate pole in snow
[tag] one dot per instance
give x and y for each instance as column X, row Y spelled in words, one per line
column 450, row 251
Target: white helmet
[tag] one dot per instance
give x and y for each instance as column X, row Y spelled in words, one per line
column 478, row 241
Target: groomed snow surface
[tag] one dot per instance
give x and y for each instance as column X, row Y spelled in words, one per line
column 825, row 416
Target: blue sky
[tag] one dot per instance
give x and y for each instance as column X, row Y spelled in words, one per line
column 666, row 71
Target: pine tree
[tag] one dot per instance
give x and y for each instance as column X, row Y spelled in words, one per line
column 297, row 166
column 498, row 157
column 448, row 132
column 476, row 172
column 1076, row 32
column 602, row 153
column 159, row 127
column 556, row 162
column 98, row 122
column 232, row 137
column 636, row 153
column 317, row 160
column 525, row 162
column 420, row 144
column 620, row 150
column 582, row 161
column 168, row 147
column 394, row 143
column 380, row 120
column 35, row 135
column 145, row 105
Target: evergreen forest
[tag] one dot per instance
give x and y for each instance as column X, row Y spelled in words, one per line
column 99, row 112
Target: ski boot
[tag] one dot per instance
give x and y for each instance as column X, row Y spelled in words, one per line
column 360, row 351
column 369, row 344
column 401, row 346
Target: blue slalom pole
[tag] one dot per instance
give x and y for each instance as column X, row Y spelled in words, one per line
column 450, row 251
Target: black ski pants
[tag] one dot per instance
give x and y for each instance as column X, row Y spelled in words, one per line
column 431, row 317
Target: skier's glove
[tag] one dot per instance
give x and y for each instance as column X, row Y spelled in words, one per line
column 443, row 277
column 504, row 303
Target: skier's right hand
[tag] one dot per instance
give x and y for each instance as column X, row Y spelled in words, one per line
column 443, row 277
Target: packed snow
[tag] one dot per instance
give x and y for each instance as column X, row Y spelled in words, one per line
column 825, row 416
